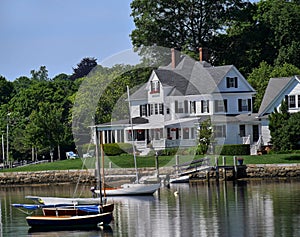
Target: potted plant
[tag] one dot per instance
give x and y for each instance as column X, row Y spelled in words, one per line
column 240, row 160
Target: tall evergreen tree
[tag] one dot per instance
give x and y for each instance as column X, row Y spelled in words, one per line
column 83, row 68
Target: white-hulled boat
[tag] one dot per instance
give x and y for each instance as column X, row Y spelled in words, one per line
column 138, row 189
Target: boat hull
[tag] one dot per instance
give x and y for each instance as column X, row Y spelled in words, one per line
column 180, row 179
column 77, row 211
column 64, row 201
column 131, row 189
column 69, row 222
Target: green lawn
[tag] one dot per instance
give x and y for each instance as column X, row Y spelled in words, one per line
column 127, row 161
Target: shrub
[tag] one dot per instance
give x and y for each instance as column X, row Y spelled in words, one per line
column 115, row 149
column 232, row 150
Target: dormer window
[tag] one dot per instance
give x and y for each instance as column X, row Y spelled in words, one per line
column 154, row 87
column 232, row 82
column 292, row 101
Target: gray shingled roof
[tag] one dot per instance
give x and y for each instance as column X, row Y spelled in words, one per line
column 274, row 88
column 218, row 73
column 140, row 94
column 190, row 77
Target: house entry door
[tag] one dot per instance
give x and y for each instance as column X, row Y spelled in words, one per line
column 255, row 134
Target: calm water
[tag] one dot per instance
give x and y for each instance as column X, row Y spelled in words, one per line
column 256, row 208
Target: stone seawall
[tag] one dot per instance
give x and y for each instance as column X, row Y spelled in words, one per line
column 118, row 174
column 73, row 176
column 271, row 171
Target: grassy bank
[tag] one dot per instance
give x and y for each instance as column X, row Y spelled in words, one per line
column 127, row 161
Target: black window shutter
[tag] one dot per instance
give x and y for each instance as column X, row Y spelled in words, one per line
column 141, row 106
column 207, row 104
column 240, row 105
column 249, row 105
column 227, row 82
column 236, row 82
column 176, row 106
column 186, row 106
column 202, row 106
column 225, row 105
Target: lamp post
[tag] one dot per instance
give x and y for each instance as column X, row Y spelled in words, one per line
column 7, row 145
column 3, row 154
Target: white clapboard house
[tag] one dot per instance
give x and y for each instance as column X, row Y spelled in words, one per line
column 278, row 89
column 167, row 110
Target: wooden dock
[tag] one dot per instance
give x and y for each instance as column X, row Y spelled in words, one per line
column 204, row 165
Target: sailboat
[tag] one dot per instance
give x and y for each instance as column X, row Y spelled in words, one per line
column 66, row 217
column 136, row 188
column 66, row 213
column 68, row 201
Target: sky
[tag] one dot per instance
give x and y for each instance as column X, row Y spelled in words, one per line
column 58, row 34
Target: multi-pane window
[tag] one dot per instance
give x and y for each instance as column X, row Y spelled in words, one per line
column 220, row 105
column 151, row 109
column 244, row 105
column 154, row 87
column 143, row 110
column 186, row 133
column 161, row 108
column 156, row 108
column 220, row 131
column 242, row 130
column 193, row 107
column 292, row 101
column 178, row 106
column 204, row 106
column 231, row 82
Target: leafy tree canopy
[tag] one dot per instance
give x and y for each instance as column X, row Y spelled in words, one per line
column 184, row 25
column 83, row 68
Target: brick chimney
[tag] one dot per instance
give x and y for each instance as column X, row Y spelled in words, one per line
column 203, row 54
column 173, row 58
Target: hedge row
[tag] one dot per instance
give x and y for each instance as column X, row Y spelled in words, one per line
column 232, row 150
column 115, row 149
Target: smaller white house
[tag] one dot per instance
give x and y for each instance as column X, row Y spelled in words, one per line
column 167, row 110
column 278, row 89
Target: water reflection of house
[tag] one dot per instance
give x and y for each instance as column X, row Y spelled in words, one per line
column 167, row 110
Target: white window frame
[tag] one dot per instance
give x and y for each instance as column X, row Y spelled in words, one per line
column 220, row 131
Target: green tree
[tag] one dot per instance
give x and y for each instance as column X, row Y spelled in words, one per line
column 277, row 126
column 205, row 132
column 83, row 68
column 264, row 31
column 46, row 128
column 21, row 83
column 40, row 75
column 6, row 90
column 28, row 105
column 259, row 79
column 184, row 25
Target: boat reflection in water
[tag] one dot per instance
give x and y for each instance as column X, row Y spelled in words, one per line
column 252, row 208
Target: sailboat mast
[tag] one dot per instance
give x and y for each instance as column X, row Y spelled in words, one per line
column 102, row 165
column 132, row 141
column 98, row 174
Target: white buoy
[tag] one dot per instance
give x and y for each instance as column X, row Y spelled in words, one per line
column 176, row 193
